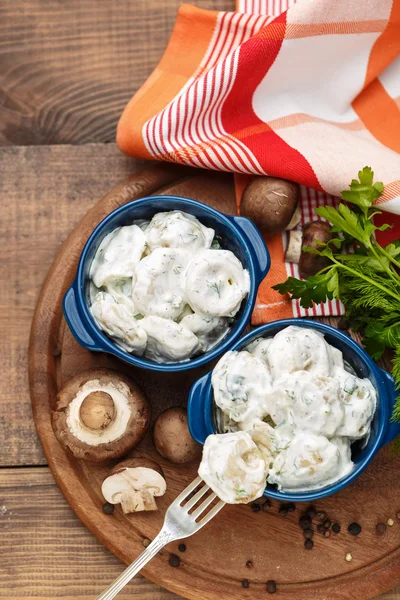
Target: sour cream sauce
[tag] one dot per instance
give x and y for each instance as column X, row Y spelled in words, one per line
column 159, row 289
column 300, row 404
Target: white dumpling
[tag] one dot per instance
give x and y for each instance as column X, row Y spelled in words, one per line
column 233, row 467
column 240, row 383
column 118, row 255
column 168, row 341
column 270, row 440
column 308, row 402
column 216, row 283
column 159, row 286
column 299, row 349
column 177, row 229
column 310, row 462
column 118, row 321
column 209, row 330
column 259, row 347
column 359, row 401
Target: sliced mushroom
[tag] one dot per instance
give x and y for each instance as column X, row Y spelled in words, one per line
column 171, row 436
column 270, row 203
column 293, row 250
column 314, row 232
column 134, row 483
column 100, row 415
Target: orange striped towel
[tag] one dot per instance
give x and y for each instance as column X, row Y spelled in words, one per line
column 308, row 91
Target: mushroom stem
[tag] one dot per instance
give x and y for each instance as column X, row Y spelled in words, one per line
column 293, row 250
column 295, row 220
column 97, row 411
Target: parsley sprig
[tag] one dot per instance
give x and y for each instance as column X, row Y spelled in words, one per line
column 365, row 278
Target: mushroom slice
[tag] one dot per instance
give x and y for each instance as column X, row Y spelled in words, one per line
column 100, row 415
column 135, row 488
column 209, row 330
column 118, row 321
column 167, row 340
column 233, row 467
column 159, row 286
column 117, row 256
column 216, row 283
column 177, row 229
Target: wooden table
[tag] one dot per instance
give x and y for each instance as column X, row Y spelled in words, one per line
column 66, row 71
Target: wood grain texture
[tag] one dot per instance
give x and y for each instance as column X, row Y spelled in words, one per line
column 46, row 552
column 67, row 69
column 44, row 191
column 209, row 570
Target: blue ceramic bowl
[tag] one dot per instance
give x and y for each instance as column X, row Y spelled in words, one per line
column 201, row 414
column 236, row 234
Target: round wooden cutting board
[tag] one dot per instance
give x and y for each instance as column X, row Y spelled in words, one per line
column 214, row 563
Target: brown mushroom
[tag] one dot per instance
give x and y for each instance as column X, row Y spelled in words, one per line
column 100, row 415
column 171, row 436
column 270, row 203
column 314, row 232
column 134, row 483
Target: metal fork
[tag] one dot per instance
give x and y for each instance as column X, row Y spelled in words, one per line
column 178, row 524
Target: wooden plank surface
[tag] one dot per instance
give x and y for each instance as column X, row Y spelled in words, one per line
column 46, row 552
column 67, row 69
column 44, row 191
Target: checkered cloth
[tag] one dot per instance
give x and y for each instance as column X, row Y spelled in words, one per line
column 307, row 91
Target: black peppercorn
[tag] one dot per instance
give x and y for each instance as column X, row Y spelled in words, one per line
column 311, row 512
column 308, row 533
column 255, row 507
column 380, row 528
column 321, row 516
column 249, row 564
column 305, row 522
column 308, row 544
column 354, row 529
column 321, row 528
column 291, row 506
column 336, row 528
column 174, row 560
column 271, row 587
column 283, row 510
column 182, row 547
column 108, row 508
column 266, row 506
column 245, row 583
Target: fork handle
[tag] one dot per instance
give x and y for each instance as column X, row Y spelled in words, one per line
column 162, row 539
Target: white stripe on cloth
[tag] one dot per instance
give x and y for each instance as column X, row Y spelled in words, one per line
column 184, row 123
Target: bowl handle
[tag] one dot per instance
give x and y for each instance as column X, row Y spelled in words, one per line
column 199, row 415
column 394, row 427
column 259, row 247
column 72, row 316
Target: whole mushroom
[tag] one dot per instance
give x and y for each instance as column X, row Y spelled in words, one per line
column 134, row 484
column 314, row 232
column 100, row 415
column 271, row 203
column 171, row 436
